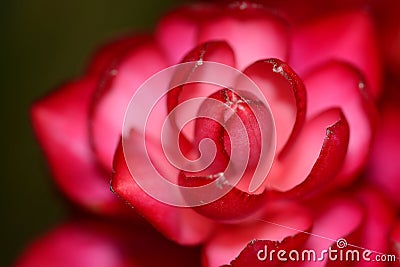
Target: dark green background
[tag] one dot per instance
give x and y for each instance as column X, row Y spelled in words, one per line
column 42, row 44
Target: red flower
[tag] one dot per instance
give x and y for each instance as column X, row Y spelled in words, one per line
column 320, row 79
column 316, row 130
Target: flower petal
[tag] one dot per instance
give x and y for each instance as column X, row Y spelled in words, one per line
column 281, row 228
column 60, row 124
column 236, row 206
column 179, row 224
column 336, row 218
column 252, row 31
column 217, row 51
column 395, row 241
column 285, row 94
column 338, row 84
column 315, row 157
column 87, row 243
column 383, row 169
column 177, row 31
column 121, row 80
column 348, row 36
column 110, row 51
column 202, row 23
column 379, row 216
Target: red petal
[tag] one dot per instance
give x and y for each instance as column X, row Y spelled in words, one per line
column 240, row 117
column 60, row 123
column 315, row 157
column 113, row 94
column 395, row 242
column 281, row 228
column 265, row 34
column 179, row 224
column 235, row 206
column 253, row 32
column 285, row 94
column 337, row 84
column 379, row 216
column 383, row 168
column 347, row 36
column 336, row 218
column 219, row 52
column 177, row 31
column 110, row 52
column 96, row 244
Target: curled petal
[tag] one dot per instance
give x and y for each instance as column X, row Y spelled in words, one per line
column 350, row 38
column 60, row 124
column 315, row 158
column 217, row 51
column 86, row 243
column 285, row 94
column 111, row 98
column 179, row 224
column 337, row 84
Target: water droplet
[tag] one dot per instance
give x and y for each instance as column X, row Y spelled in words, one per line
column 361, row 85
column 113, row 72
column 277, row 68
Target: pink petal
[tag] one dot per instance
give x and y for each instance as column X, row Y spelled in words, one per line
column 179, row 224
column 106, row 54
column 96, row 244
column 176, row 32
column 216, row 51
column 336, row 218
column 253, row 32
column 314, row 158
column 285, row 94
column 123, row 77
column 60, row 124
column 337, row 84
column 348, row 36
column 379, row 216
column 281, row 228
column 383, row 168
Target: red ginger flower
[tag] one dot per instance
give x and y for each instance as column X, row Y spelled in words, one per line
column 318, row 85
column 316, row 130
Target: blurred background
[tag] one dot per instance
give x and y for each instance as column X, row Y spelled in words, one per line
column 44, row 43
